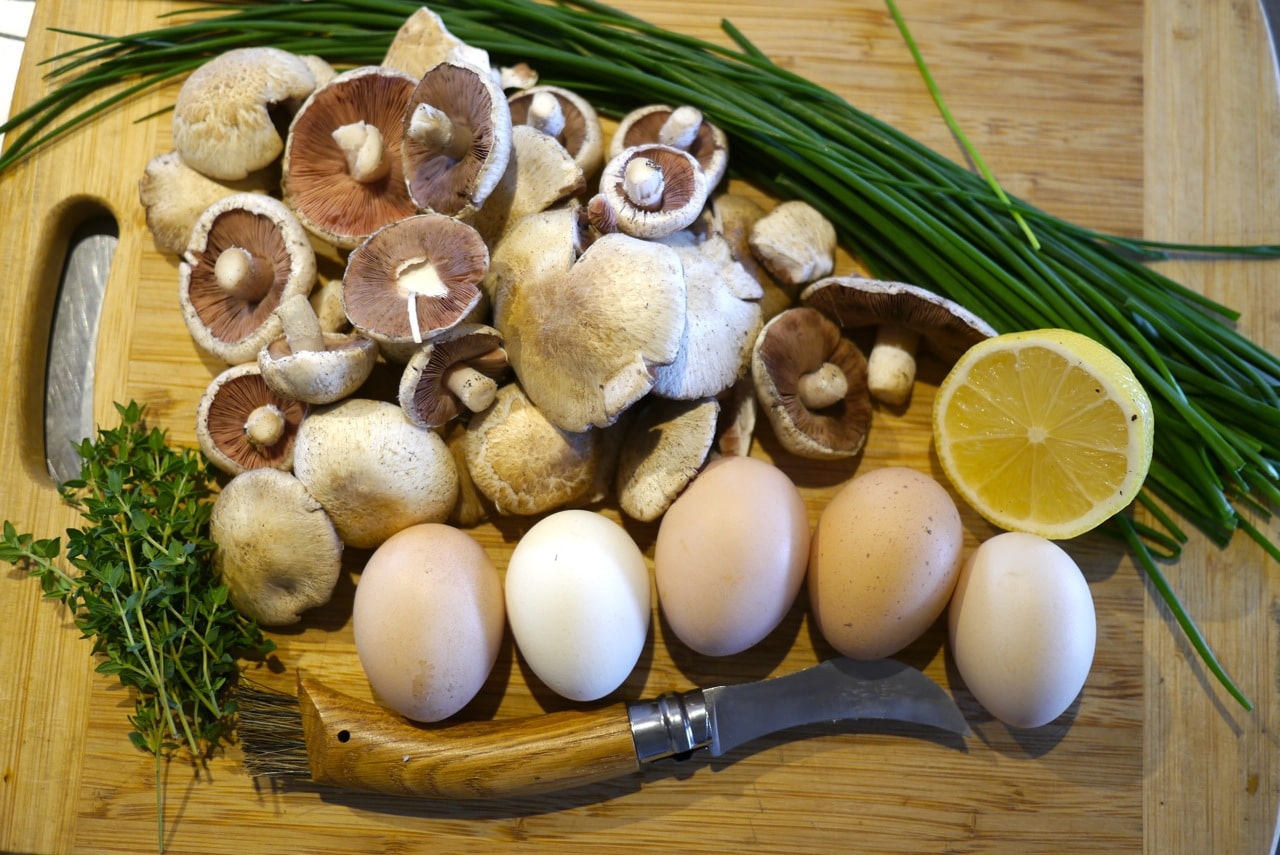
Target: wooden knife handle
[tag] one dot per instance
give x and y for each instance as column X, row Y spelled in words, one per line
column 359, row 745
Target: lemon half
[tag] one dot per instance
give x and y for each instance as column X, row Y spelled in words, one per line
column 1045, row 431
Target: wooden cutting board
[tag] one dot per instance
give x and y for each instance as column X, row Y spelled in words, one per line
column 1156, row 119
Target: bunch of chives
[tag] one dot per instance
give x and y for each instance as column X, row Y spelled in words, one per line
column 904, row 210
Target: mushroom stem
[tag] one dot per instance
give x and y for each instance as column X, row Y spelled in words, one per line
column 365, row 151
column 823, row 387
column 301, row 325
column 681, row 127
column 242, row 274
column 642, row 182
column 546, row 114
column 891, row 364
column 264, row 427
column 475, row 390
column 432, row 127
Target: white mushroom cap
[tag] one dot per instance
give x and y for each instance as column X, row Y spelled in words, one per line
column 228, row 308
column 174, row 196
column 311, row 365
column 423, row 41
column 222, row 122
column 373, row 471
column 584, row 344
column 540, row 173
column 523, row 463
column 534, row 249
column 275, row 547
column 795, row 243
column 720, row 326
column 667, row 443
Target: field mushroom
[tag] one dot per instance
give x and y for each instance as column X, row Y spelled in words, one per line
column 373, row 471
column 682, row 127
column 566, row 116
column 456, row 372
column 651, row 191
column 540, row 173
column 666, row 444
column 457, row 139
column 584, row 344
column 732, row 216
column 311, row 365
column 795, row 243
column 535, row 248
column 275, row 548
column 904, row 315
column 523, row 463
column 811, row 383
column 424, row 41
column 342, row 161
column 223, row 118
column 241, row 424
column 174, row 196
column 413, row 279
column 247, row 252
column 721, row 323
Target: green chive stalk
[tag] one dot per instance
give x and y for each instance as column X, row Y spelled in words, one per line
column 904, row 210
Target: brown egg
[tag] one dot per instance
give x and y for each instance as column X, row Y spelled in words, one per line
column 428, row 620
column 884, row 560
column 730, row 555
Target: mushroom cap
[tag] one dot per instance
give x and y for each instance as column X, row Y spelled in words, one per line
column 423, row 41
column 317, row 182
column 523, row 463
column 231, row 403
column 540, row 173
column 683, row 194
column 582, row 135
column 276, row 549
column 318, row 376
column 455, row 180
column 424, row 393
column 372, row 471
column 731, row 216
column 413, row 279
column 222, row 117
column 710, row 147
column 231, row 326
column 720, row 326
column 667, row 442
column 945, row 327
column 792, row 344
column 535, row 248
column 795, row 243
column 583, row 344
column 174, row 196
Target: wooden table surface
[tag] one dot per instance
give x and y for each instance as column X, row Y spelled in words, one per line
column 1156, row 119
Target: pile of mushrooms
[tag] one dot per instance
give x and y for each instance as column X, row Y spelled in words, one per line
column 568, row 319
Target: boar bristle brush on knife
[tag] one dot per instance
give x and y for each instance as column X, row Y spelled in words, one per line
column 334, row 739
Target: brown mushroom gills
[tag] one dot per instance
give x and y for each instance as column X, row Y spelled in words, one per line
column 676, row 185
column 235, row 309
column 573, row 131
column 251, row 424
column 648, row 127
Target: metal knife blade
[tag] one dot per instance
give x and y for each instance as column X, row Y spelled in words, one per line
column 1271, row 14
column 724, row 717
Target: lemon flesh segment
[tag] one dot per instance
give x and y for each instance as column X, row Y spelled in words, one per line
column 1046, row 432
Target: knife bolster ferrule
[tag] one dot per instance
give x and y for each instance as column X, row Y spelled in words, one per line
column 670, row 724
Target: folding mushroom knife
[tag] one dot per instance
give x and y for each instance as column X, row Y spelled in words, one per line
column 357, row 745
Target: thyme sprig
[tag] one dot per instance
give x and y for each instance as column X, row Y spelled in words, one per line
column 138, row 579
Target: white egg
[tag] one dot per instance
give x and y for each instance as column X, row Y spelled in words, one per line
column 1022, row 628
column 578, row 603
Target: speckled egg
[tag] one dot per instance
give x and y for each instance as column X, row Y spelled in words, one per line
column 884, row 560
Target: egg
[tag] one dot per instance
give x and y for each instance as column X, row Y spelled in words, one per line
column 730, row 555
column 1022, row 628
column 579, row 602
column 428, row 620
column 883, row 562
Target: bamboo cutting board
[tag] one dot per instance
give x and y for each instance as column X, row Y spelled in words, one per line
column 1156, row 119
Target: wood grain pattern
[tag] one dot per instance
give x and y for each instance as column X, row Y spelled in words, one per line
column 1158, row 118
